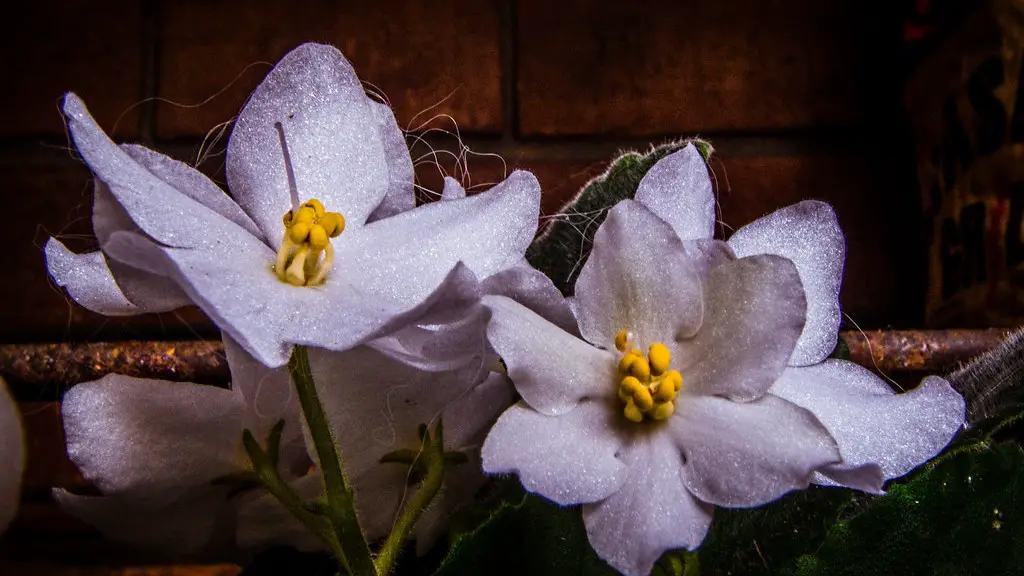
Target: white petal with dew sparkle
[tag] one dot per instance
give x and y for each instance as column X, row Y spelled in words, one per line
column 748, row 454
column 157, row 208
column 87, row 279
column 533, row 289
column 678, row 189
column 636, row 278
column 407, row 255
column 452, row 189
column 184, row 525
column 138, row 437
column 551, row 369
column 401, row 194
column 264, row 523
column 871, row 423
column 753, row 315
column 651, row 513
column 332, row 135
column 569, row 459
column 12, row 454
column 708, row 254
column 808, row 234
column 192, row 183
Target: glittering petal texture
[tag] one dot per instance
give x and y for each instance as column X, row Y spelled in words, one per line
column 808, row 234
column 375, row 403
column 156, row 207
column 407, row 255
column 184, row 526
column 871, row 423
column 531, row 288
column 152, row 438
column 636, row 278
column 264, row 523
column 707, row 254
column 569, row 459
column 452, row 189
column 753, row 315
column 269, row 397
column 651, row 513
column 191, row 183
column 678, row 189
column 552, row 369
column 87, row 279
column 12, row 454
column 401, row 195
column 439, row 347
column 333, row 139
column 748, row 454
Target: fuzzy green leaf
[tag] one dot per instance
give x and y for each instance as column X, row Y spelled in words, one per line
column 567, row 239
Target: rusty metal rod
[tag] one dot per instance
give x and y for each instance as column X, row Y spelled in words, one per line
column 63, row 365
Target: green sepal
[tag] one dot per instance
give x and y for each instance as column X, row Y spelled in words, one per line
column 567, row 239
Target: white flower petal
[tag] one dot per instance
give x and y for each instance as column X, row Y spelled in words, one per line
column 264, row 523
column 332, row 135
column 636, row 278
column 871, row 423
column 651, row 513
column 192, row 183
column 138, row 437
column 184, row 525
column 156, row 207
column 401, row 194
column 468, row 418
column 12, row 454
column 407, row 255
column 452, row 189
column 269, row 397
column 531, row 288
column 379, row 495
column 87, row 279
column 678, row 189
column 461, row 484
column 753, row 315
column 375, row 404
column 551, row 369
column 748, row 454
column 708, row 254
column 569, row 459
column 867, row 478
column 808, row 234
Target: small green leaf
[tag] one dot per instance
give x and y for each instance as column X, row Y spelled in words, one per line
column 962, row 516
column 841, row 351
column 566, row 242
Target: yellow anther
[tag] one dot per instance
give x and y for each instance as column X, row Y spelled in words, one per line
column 666, row 391
column 622, row 340
column 643, row 399
column 675, row 378
column 626, row 362
column 637, row 352
column 663, row 410
column 318, row 208
column 318, row 237
column 640, row 369
column 632, row 412
column 306, row 214
column 299, row 232
column 333, row 224
column 659, row 357
column 630, row 385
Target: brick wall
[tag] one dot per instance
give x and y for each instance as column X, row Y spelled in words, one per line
column 800, row 98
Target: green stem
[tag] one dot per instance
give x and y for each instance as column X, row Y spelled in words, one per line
column 340, row 497
column 433, row 454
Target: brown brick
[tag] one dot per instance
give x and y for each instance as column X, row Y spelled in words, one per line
column 665, row 67
column 416, row 52
column 54, row 47
column 49, row 201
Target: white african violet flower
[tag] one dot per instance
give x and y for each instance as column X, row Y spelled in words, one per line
column 323, row 247
column 153, row 448
column 12, row 456
column 374, row 404
column 683, row 394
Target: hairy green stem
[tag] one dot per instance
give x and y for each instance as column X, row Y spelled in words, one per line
column 433, row 455
column 340, row 497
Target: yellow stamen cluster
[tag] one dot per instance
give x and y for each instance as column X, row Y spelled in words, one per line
column 647, row 386
column 306, row 254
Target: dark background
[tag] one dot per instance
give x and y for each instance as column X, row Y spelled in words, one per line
column 801, row 99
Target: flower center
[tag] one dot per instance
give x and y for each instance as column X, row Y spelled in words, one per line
column 647, row 386
column 306, row 254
